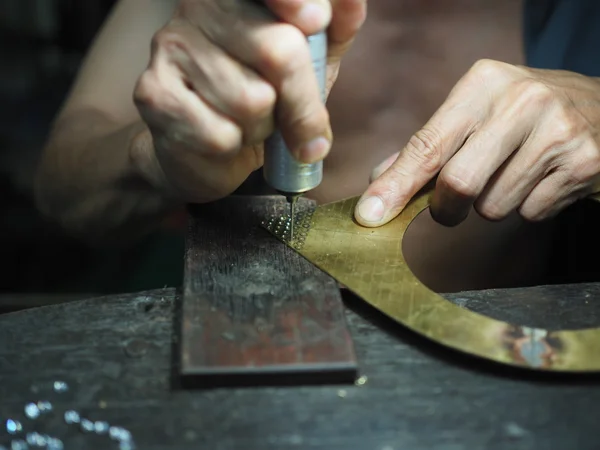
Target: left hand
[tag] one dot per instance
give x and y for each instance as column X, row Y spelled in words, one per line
column 507, row 138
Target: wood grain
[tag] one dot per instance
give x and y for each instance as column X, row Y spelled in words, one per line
column 118, row 356
column 254, row 311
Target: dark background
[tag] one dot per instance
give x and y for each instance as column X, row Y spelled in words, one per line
column 42, row 43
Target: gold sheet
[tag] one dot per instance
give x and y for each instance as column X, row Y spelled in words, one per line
column 369, row 262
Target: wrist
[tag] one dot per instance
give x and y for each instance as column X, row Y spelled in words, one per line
column 144, row 163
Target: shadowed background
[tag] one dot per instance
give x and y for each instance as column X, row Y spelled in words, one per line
column 42, row 43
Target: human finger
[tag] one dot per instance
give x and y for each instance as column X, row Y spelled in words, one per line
column 280, row 53
column 178, row 117
column 551, row 178
column 547, row 198
column 347, row 18
column 511, row 184
column 197, row 151
column 227, row 86
column 466, row 174
column 555, row 146
column 467, row 108
column 418, row 162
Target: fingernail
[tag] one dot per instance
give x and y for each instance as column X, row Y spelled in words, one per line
column 371, row 209
column 311, row 13
column 314, row 150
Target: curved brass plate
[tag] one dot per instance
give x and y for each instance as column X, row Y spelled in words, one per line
column 369, row 262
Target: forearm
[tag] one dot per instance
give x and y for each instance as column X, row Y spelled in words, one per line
column 90, row 181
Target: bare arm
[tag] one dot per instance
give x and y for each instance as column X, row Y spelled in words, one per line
column 88, row 177
column 206, row 87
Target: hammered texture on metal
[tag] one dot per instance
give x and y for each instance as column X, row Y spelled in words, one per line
column 281, row 226
column 369, row 262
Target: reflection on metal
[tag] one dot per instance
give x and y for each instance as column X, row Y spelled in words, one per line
column 292, row 229
column 369, row 262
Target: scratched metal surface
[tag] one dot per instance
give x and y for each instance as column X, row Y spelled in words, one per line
column 370, row 263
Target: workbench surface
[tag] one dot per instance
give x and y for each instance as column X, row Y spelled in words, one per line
column 116, row 355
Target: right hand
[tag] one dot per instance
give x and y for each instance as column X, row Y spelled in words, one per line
column 218, row 72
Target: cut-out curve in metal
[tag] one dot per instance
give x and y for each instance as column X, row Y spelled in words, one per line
column 370, row 263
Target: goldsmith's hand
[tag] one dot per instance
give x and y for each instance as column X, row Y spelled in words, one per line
column 506, row 139
column 218, row 71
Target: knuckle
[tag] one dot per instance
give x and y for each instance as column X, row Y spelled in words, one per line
column 490, row 210
column 464, row 184
column 148, row 91
column 583, row 165
column 488, row 68
column 566, row 127
column 590, row 158
column 252, row 104
column 532, row 214
column 166, row 38
column 257, row 132
column 284, row 53
column 310, row 119
column 425, row 147
column 224, row 139
column 535, row 93
column 208, row 139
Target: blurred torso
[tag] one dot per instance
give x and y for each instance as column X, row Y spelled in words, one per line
column 405, row 61
column 402, row 66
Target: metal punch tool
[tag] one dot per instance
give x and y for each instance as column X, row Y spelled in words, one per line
column 281, row 170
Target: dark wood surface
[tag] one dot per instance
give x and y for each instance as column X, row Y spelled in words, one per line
column 17, row 302
column 116, row 353
column 254, row 313
column 119, row 355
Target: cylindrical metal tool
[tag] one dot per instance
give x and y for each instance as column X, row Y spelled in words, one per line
column 281, row 170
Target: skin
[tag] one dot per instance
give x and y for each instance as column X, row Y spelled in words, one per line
column 427, row 47
column 508, row 138
column 116, row 164
column 194, row 131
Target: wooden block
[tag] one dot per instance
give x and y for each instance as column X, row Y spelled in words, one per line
column 254, row 311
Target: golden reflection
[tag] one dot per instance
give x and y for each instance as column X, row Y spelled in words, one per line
column 370, row 263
